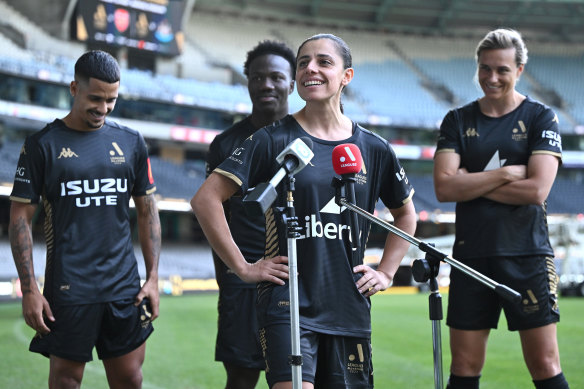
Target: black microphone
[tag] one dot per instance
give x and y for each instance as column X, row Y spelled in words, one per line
column 347, row 161
column 292, row 159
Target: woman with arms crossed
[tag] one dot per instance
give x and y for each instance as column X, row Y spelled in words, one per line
column 497, row 158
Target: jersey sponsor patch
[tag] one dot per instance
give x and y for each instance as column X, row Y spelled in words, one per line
column 555, row 140
column 94, row 192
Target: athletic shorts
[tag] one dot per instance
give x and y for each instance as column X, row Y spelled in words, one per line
column 238, row 341
column 474, row 306
column 113, row 328
column 328, row 361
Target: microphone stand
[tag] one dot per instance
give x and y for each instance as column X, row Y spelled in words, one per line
column 349, row 192
column 259, row 200
column 289, row 220
column 427, row 269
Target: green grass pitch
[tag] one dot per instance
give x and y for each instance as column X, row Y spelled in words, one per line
column 180, row 353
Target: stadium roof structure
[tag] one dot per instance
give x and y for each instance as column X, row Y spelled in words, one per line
column 546, row 20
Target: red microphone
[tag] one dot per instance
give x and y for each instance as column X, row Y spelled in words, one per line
column 347, row 161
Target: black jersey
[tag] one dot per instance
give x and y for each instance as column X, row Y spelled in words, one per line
column 329, row 301
column 488, row 228
column 248, row 231
column 85, row 180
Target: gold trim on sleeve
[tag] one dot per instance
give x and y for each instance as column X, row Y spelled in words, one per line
column 229, row 175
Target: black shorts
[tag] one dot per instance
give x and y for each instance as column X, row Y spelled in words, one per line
column 474, row 306
column 113, row 328
column 328, row 361
column 238, row 340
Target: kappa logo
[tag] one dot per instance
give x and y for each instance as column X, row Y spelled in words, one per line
column 117, row 155
column 470, row 132
column 67, row 153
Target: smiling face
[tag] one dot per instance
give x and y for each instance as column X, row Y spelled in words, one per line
column 498, row 73
column 269, row 84
column 93, row 100
column 320, row 72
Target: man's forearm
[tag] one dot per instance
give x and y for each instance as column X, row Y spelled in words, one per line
column 150, row 235
column 20, row 235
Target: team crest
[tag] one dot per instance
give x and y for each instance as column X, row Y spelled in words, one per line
column 117, row 155
column 521, row 133
column 361, row 177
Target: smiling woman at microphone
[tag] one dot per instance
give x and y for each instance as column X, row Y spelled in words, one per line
column 334, row 305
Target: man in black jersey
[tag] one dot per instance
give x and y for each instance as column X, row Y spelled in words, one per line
column 497, row 158
column 269, row 68
column 85, row 170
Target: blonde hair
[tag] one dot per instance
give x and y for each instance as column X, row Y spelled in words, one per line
column 504, row 38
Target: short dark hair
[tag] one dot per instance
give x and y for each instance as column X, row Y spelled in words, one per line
column 97, row 64
column 271, row 47
column 342, row 47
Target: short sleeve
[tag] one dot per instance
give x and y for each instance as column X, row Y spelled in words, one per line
column 29, row 176
column 144, row 183
column 448, row 139
column 546, row 138
column 214, row 157
column 251, row 162
column 396, row 189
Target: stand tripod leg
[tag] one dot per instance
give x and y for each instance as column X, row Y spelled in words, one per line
column 427, row 270
column 435, row 303
column 423, row 270
column 296, row 355
column 290, row 222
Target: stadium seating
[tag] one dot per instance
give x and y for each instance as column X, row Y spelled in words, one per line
column 9, row 154
column 401, row 81
column 424, row 197
column 565, row 196
column 179, row 181
column 390, row 89
column 404, row 81
column 565, row 76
